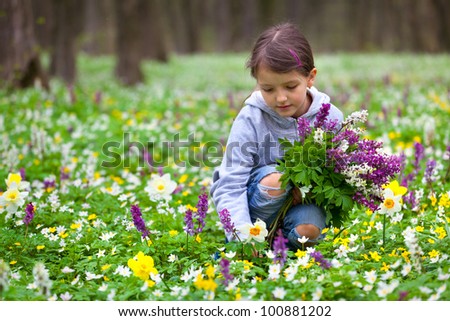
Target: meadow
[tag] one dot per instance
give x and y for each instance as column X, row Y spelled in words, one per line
column 103, row 164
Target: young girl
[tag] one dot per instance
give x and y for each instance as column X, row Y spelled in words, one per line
column 247, row 182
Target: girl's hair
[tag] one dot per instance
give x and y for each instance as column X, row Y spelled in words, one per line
column 282, row 48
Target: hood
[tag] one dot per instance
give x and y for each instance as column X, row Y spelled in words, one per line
column 256, row 100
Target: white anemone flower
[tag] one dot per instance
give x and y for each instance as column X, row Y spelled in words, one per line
column 13, row 198
column 257, row 231
column 161, row 187
column 391, row 203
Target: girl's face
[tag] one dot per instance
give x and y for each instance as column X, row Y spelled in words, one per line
column 286, row 92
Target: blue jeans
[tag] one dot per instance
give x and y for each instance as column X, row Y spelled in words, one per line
column 264, row 206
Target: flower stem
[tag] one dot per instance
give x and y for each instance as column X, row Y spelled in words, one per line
column 384, row 228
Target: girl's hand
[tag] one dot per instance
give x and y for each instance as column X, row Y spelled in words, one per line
column 297, row 196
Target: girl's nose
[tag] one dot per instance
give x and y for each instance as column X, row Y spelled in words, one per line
column 281, row 97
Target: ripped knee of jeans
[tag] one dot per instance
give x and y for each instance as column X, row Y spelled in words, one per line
column 272, row 192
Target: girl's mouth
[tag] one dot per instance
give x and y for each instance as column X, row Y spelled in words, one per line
column 284, row 107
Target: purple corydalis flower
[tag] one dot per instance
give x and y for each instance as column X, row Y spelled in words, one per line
column 139, row 221
column 322, row 115
column 29, row 210
column 189, row 222
column 431, row 165
column 202, row 209
column 318, row 257
column 225, row 219
column 303, row 128
column 280, row 248
column 418, row 155
column 225, row 270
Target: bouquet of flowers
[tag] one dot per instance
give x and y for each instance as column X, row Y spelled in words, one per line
column 335, row 167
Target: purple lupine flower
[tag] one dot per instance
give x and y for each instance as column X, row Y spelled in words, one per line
column 431, row 165
column 225, row 270
column 29, row 210
column 139, row 221
column 280, row 249
column 303, row 128
column 322, row 115
column 318, row 257
column 202, row 209
column 225, row 219
column 418, row 155
column 189, row 222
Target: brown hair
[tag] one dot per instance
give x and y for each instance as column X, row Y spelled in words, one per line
column 282, row 48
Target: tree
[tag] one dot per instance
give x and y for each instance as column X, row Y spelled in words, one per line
column 20, row 65
column 66, row 26
column 128, row 41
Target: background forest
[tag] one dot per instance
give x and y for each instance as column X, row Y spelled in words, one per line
column 136, row 30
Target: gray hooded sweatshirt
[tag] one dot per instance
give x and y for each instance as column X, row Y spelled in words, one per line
column 254, row 142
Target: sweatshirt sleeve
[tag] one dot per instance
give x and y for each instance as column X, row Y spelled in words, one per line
column 229, row 189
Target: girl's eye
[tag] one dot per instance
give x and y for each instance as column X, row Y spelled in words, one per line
column 267, row 90
column 291, row 87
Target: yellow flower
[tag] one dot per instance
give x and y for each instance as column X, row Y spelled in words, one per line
column 198, row 239
column 433, row 253
column 300, row 253
column 75, row 226
column 441, row 232
column 40, row 247
column 143, row 266
column 183, row 178
column 173, row 233
column 210, row 272
column 13, row 262
column 385, row 267
column 150, row 283
column 207, row 285
column 105, row 267
column 375, row 256
column 433, row 200
column 405, row 255
column 444, row 201
column 13, row 178
column 419, row 228
column 92, row 217
column 396, row 188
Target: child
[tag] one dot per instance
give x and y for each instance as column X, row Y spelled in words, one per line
column 247, row 182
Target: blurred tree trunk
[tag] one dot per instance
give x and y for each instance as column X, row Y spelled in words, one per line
column 99, row 27
column 154, row 32
column 192, row 17
column 66, row 27
column 20, row 65
column 128, row 41
column 43, row 26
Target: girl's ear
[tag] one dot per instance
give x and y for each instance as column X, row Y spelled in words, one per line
column 312, row 77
